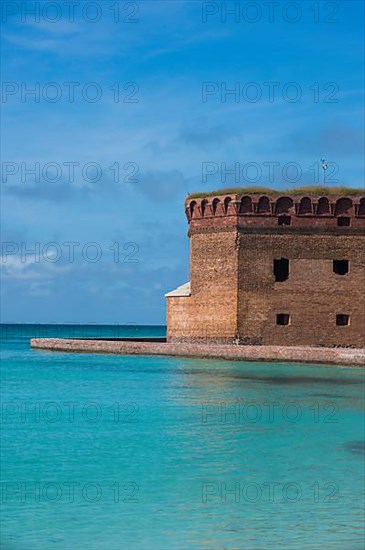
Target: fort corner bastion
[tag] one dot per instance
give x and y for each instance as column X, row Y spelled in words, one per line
column 273, row 268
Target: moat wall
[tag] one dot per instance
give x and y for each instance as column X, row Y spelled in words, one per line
column 304, row 354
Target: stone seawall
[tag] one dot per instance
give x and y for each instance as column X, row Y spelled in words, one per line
column 294, row 354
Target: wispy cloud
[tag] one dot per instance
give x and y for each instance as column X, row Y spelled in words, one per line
column 169, row 134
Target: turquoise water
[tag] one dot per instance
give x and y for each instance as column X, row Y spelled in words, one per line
column 109, row 452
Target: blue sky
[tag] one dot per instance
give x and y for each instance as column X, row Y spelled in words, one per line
column 160, row 133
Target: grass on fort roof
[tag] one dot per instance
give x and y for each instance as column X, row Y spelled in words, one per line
column 307, row 190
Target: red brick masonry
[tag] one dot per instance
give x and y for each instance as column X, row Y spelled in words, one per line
column 233, row 292
column 303, row 354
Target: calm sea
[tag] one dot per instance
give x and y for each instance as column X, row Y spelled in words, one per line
column 111, row 452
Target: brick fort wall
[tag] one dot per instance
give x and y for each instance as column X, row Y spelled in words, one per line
column 235, row 295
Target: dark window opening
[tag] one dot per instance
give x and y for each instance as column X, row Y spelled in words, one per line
column 343, row 207
column 284, row 220
column 323, row 206
column 263, row 206
column 343, row 221
column 215, row 205
column 361, row 211
column 340, row 267
column 281, row 270
column 203, row 206
column 282, row 318
column 342, row 320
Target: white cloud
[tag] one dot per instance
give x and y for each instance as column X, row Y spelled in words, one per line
column 31, row 267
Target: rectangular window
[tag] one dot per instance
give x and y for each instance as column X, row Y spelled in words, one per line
column 342, row 320
column 282, row 318
column 343, row 221
column 340, row 267
column 281, row 269
column 284, row 220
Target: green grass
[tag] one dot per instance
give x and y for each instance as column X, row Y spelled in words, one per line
column 308, row 190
